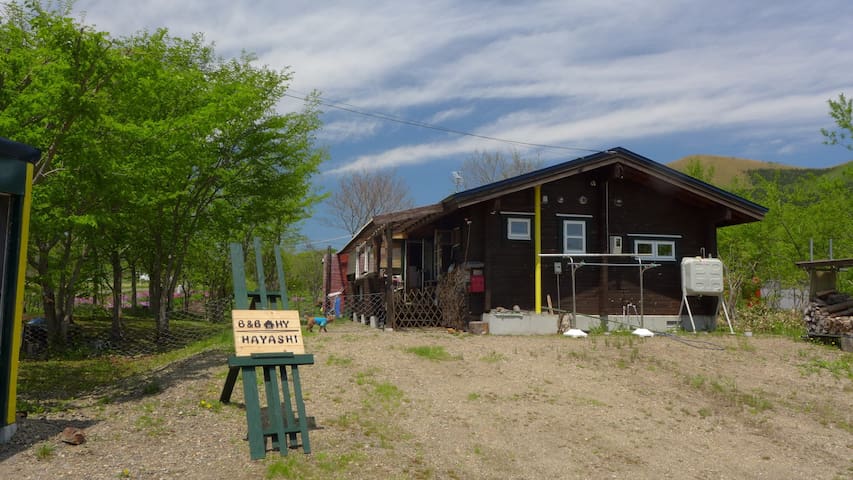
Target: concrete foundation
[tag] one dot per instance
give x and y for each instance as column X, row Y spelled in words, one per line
column 521, row 323
column 528, row 323
column 7, row 431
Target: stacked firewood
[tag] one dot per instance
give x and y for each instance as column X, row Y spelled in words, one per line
column 830, row 314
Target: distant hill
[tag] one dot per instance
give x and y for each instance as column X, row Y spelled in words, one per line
column 729, row 170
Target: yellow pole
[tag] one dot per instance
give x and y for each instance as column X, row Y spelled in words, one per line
column 537, row 246
column 17, row 320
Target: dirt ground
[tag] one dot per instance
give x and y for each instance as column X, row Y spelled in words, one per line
column 721, row 407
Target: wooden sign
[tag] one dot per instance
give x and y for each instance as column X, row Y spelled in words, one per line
column 267, row 331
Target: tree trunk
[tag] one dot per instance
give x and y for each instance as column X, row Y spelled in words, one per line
column 115, row 260
column 55, row 335
column 133, row 298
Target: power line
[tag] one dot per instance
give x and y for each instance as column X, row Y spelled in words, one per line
column 414, row 123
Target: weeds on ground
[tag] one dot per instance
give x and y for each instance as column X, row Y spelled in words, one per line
column 335, row 360
column 841, row 367
column 759, row 318
column 493, row 357
column 317, row 466
column 727, row 391
column 433, row 352
column 382, row 400
column 149, row 422
column 45, row 451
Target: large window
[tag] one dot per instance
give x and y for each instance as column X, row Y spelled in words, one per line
column 518, row 228
column 655, row 249
column 574, row 236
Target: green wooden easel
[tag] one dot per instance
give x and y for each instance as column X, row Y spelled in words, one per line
column 282, row 426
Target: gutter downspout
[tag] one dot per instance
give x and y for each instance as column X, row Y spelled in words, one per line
column 537, row 247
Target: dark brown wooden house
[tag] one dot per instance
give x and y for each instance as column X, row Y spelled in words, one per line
column 509, row 235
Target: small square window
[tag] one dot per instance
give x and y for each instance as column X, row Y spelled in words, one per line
column 518, row 228
column 574, row 236
column 655, row 249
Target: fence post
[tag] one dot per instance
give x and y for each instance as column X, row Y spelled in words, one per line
column 390, row 313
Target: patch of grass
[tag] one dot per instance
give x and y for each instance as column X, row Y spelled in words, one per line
column 697, row 381
column 318, row 466
column 726, row 390
column 387, row 395
column 45, row 451
column 382, row 400
column 744, row 345
column 591, row 402
column 841, row 367
column 704, row 412
column 365, row 377
column 289, row 467
column 760, row 318
column 493, row 357
column 335, row 360
column 473, row 396
column 149, row 422
column 333, row 464
column 152, row 388
column 433, row 352
column 73, row 378
column 215, row 406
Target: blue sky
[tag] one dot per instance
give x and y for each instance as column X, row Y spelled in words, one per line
column 663, row 78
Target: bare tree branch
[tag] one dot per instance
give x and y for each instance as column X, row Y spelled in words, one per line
column 363, row 195
column 487, row 167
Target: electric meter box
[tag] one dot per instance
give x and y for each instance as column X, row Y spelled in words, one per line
column 702, row 276
column 615, row 244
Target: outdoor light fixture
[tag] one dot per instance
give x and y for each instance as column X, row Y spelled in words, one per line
column 618, row 202
column 544, row 199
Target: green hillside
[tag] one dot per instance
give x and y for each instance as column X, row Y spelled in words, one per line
column 733, row 171
column 727, row 171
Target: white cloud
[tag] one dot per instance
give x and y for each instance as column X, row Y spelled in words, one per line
column 347, row 130
column 449, row 114
column 571, row 73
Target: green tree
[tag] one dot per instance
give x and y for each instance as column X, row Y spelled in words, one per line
column 53, row 75
column 155, row 148
column 696, row 169
column 210, row 153
column 841, row 110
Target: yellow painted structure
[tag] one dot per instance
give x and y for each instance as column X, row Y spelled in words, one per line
column 16, row 178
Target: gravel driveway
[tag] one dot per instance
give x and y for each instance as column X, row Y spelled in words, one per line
column 529, row 407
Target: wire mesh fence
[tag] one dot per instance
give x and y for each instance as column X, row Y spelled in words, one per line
column 368, row 309
column 92, row 332
column 417, row 308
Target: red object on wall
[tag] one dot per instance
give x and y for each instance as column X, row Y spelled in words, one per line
column 478, row 284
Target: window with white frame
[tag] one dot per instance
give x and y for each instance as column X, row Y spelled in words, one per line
column 655, row 249
column 574, row 236
column 518, row 228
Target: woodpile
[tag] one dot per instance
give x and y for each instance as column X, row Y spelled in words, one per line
column 830, row 314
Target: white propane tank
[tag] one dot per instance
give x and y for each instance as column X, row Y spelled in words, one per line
column 702, row 276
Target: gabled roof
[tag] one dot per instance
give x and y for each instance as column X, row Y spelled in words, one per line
column 399, row 221
column 744, row 210
column 617, row 155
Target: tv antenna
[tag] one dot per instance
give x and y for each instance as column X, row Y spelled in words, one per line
column 457, row 179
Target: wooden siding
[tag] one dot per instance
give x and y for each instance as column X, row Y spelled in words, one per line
column 591, row 197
